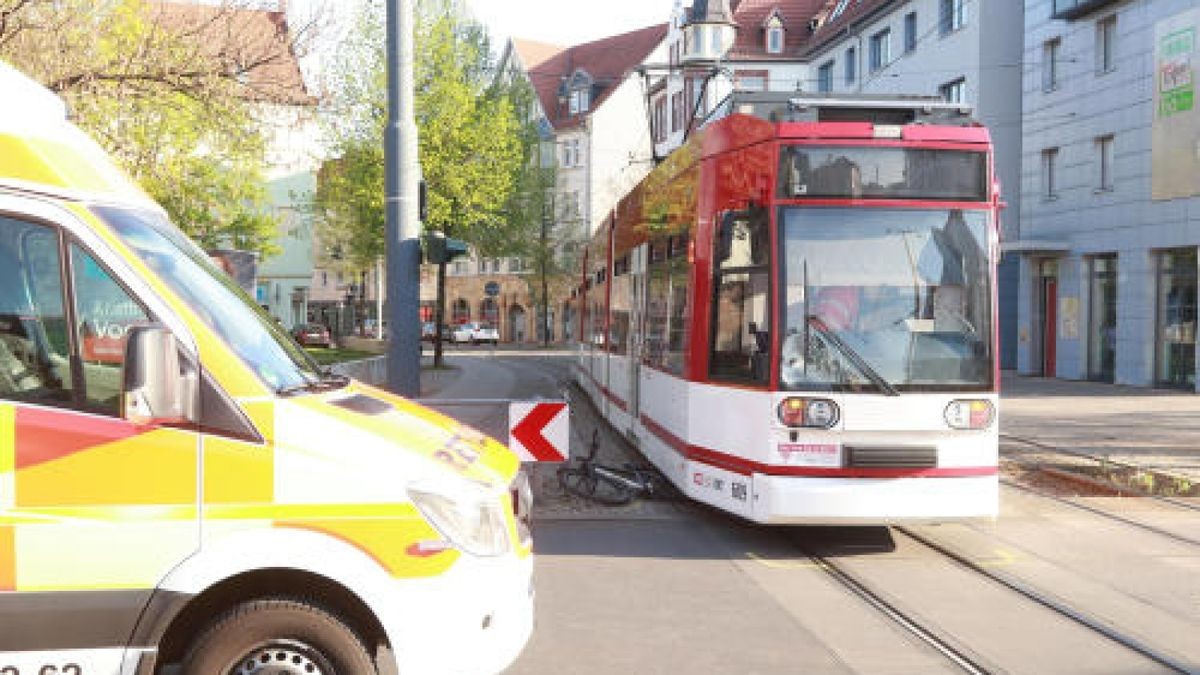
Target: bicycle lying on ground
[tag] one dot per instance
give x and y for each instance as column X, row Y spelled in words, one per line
column 611, row 485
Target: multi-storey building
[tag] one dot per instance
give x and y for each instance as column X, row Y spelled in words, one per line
column 261, row 39
column 1110, row 221
column 965, row 51
column 590, row 105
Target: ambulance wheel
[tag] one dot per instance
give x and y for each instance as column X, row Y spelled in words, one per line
column 278, row 637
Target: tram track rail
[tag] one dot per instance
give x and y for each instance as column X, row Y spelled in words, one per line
column 1050, row 602
column 1101, row 512
column 925, row 635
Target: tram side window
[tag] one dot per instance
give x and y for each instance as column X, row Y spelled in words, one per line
column 741, row 300
column 618, row 327
column 658, row 296
column 677, row 312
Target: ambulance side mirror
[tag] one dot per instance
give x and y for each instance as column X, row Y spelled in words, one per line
column 158, row 388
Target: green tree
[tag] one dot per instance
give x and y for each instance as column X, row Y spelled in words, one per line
column 170, row 90
column 469, row 139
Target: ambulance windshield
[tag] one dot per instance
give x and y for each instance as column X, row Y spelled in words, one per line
column 248, row 330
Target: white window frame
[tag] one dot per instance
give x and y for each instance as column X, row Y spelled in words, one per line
column 775, row 39
column 1105, row 162
column 1051, row 55
column 880, row 52
column 1106, row 44
column 952, row 15
column 825, row 77
column 1050, row 173
column 954, row 91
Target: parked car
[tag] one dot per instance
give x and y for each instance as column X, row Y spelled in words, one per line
column 429, row 334
column 475, row 332
column 312, row 334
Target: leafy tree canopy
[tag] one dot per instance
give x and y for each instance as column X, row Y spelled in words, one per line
column 469, row 136
column 173, row 92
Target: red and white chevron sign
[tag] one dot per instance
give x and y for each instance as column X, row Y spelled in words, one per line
column 539, row 432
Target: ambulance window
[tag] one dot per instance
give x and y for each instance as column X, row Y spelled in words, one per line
column 35, row 362
column 104, row 313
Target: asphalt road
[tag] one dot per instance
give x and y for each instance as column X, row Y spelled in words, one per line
column 673, row 588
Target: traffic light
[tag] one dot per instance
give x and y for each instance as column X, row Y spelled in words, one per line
column 442, row 249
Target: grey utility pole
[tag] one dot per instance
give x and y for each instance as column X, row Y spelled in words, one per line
column 403, row 228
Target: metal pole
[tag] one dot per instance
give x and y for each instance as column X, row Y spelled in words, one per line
column 403, row 229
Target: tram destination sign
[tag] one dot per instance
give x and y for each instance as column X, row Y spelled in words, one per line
column 847, row 172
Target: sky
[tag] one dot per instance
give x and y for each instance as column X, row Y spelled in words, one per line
column 567, row 22
column 560, row 22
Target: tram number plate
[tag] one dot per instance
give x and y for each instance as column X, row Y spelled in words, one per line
column 811, row 454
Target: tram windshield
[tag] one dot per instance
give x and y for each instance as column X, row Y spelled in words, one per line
column 886, row 300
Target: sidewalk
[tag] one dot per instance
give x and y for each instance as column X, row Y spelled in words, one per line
column 1151, row 428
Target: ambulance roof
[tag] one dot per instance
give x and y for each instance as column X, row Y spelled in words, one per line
column 42, row 151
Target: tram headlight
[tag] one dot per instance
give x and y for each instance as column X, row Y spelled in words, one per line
column 819, row 413
column 970, row 414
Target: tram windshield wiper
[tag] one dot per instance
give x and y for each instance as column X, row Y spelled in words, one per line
column 854, row 357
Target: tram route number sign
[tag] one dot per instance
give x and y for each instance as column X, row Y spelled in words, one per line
column 539, row 431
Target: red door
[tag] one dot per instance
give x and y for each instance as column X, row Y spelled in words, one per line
column 1049, row 329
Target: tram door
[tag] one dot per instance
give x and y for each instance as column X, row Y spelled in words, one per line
column 637, row 270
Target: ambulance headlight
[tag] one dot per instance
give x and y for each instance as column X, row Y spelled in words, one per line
column 472, row 519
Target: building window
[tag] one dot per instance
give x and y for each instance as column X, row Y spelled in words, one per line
column 825, row 77
column 954, row 91
column 750, row 80
column 579, row 101
column 660, row 119
column 571, row 156
column 775, row 39
column 851, row 65
column 1051, row 54
column 1175, row 353
column 677, row 113
column 952, row 15
column 460, row 312
column 910, row 32
column 1104, row 162
column 1050, row 173
column 1102, row 318
column 1106, row 44
column 460, row 268
column 881, row 49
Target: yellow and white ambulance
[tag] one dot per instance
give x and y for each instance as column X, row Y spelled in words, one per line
column 182, row 489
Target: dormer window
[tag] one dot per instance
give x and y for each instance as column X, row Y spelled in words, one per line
column 579, row 101
column 579, row 92
column 774, row 28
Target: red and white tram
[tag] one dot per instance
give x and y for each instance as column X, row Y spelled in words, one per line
column 794, row 315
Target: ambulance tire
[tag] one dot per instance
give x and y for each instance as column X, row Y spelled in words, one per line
column 293, row 633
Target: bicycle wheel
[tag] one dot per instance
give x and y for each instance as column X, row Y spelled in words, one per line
column 609, row 491
column 588, row 485
column 577, row 482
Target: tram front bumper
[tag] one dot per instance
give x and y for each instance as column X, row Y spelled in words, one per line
column 784, row 500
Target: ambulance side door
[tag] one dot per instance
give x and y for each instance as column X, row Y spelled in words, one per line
column 94, row 510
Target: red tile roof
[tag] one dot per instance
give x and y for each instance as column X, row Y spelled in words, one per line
column 255, row 43
column 829, row 30
column 751, row 41
column 607, row 61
